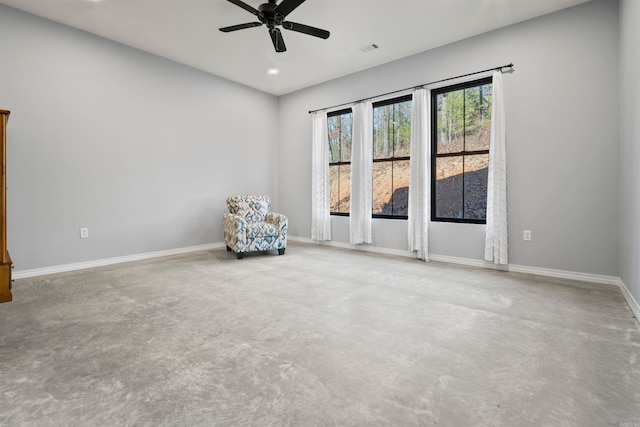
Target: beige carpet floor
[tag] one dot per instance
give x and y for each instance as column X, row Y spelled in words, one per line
column 317, row 337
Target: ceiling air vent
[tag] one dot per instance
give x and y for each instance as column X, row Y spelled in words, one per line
column 369, row 47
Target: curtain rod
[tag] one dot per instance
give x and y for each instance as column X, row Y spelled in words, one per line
column 510, row 65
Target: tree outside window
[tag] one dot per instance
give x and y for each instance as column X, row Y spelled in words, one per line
column 461, row 130
column 391, row 149
column 339, row 125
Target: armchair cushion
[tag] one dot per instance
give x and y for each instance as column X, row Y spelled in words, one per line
column 256, row 230
column 250, row 208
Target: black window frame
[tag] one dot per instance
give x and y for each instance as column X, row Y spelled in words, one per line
column 462, row 154
column 397, row 100
column 340, row 163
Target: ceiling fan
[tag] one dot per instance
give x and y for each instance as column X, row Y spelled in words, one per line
column 273, row 16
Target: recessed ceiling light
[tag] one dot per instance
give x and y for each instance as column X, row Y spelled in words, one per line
column 273, row 71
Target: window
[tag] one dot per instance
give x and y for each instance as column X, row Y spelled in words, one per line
column 339, row 131
column 391, row 144
column 461, row 129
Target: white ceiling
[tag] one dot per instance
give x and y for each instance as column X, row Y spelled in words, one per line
column 186, row 31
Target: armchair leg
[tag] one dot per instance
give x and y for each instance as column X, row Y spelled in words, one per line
column 281, row 251
column 240, row 255
column 228, row 249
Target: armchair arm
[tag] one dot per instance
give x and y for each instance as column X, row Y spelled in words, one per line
column 235, row 229
column 280, row 221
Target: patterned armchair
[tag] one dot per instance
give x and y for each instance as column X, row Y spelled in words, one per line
column 249, row 226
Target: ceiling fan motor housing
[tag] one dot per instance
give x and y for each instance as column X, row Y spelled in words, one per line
column 268, row 15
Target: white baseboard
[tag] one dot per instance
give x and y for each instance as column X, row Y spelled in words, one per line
column 515, row 268
column 363, row 248
column 466, row 261
column 633, row 304
column 561, row 274
column 23, row 274
column 547, row 272
column 564, row 274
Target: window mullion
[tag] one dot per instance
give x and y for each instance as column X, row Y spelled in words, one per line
column 392, row 187
column 464, row 147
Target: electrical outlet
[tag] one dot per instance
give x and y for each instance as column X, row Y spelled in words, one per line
column 84, row 233
column 526, row 235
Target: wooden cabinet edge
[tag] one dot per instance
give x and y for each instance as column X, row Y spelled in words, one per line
column 5, row 258
column 5, row 280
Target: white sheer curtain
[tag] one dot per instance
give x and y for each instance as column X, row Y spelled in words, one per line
column 496, row 247
column 320, row 196
column 419, row 187
column 361, row 173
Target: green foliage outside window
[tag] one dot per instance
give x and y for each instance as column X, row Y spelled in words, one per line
column 339, row 132
column 391, row 151
column 461, row 136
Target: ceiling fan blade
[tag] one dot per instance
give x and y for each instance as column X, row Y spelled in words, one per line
column 278, row 41
column 306, row 29
column 240, row 27
column 244, row 6
column 287, row 6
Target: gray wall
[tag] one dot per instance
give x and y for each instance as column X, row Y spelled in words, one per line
column 630, row 145
column 141, row 150
column 562, row 139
